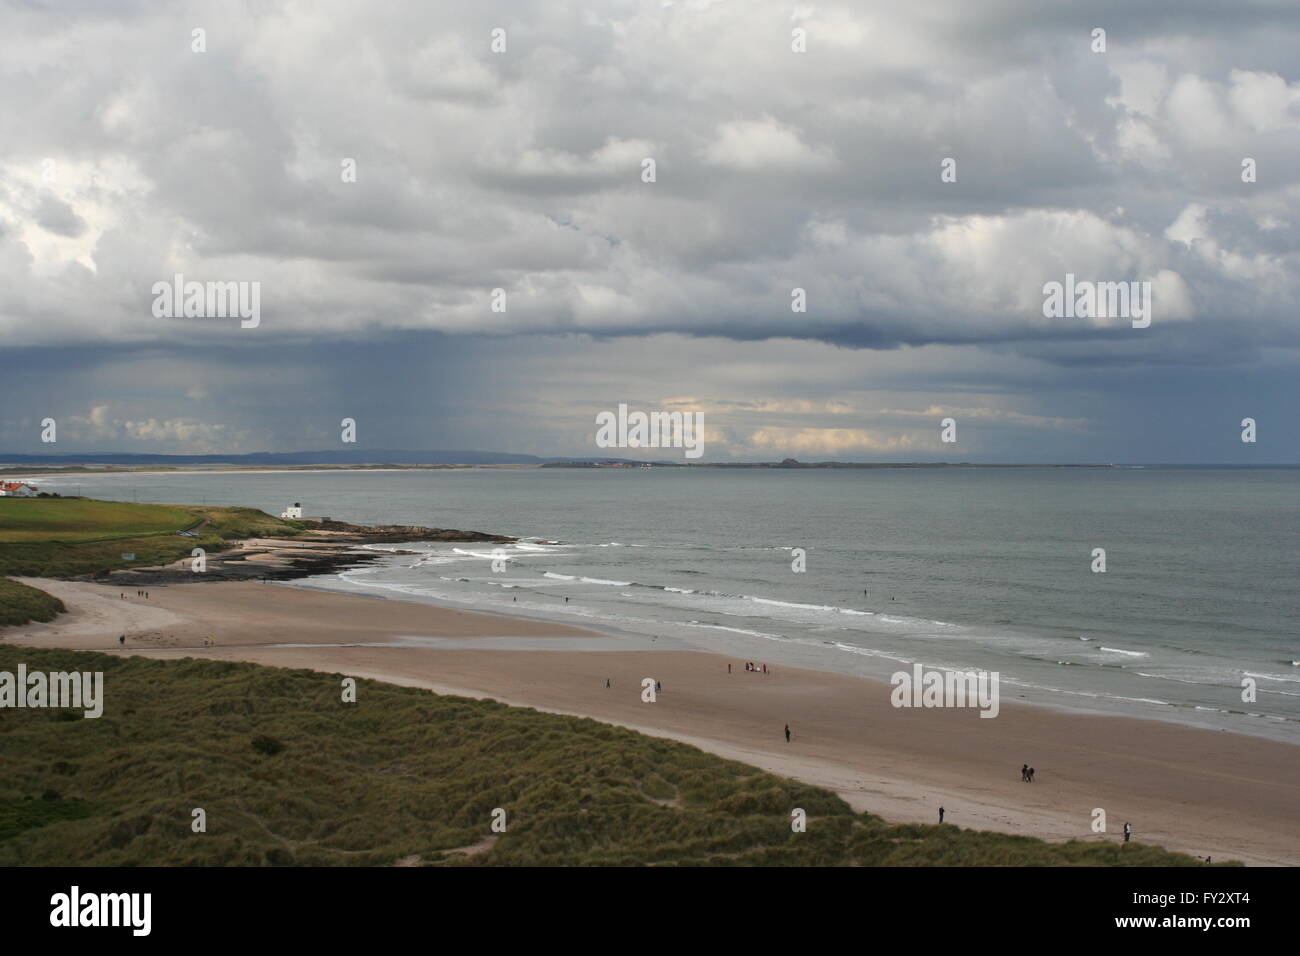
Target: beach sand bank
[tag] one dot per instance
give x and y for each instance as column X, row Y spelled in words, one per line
column 1203, row 792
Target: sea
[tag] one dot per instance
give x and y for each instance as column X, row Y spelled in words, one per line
column 860, row 572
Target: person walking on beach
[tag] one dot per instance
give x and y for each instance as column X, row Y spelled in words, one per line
column 1024, row 773
column 787, row 733
column 1031, row 774
column 728, row 668
column 941, row 814
column 1128, row 831
column 606, row 681
column 122, row 639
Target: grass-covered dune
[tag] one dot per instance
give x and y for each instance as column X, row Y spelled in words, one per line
column 20, row 604
column 289, row 774
column 67, row 537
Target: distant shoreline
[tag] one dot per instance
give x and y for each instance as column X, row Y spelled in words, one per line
column 42, row 471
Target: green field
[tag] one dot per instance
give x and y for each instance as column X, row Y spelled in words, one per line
column 67, row 537
column 85, row 519
column 289, row 774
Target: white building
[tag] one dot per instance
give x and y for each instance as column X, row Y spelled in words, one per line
column 17, row 489
column 294, row 512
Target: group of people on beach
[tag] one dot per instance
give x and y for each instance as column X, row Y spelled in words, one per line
column 751, row 666
column 1027, row 773
column 143, row 594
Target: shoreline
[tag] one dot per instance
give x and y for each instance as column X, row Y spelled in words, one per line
column 36, row 474
column 1178, row 715
column 1203, row 792
column 332, row 547
column 307, row 469
column 325, row 549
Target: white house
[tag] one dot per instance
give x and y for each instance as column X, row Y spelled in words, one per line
column 17, row 489
column 294, row 512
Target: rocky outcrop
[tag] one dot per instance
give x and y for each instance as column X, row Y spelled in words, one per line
column 388, row 533
column 326, row 548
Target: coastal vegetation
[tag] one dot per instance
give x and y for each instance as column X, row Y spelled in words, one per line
column 20, row 604
column 85, row 519
column 287, row 773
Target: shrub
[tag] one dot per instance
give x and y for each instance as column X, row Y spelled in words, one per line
column 267, row 745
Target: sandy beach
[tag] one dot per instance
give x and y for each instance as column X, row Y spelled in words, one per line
column 1202, row 792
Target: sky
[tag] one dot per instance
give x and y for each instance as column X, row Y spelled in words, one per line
column 921, row 171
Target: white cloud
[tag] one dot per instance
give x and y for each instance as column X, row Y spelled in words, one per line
column 764, row 144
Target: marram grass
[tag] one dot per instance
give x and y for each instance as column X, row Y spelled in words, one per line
column 20, row 604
